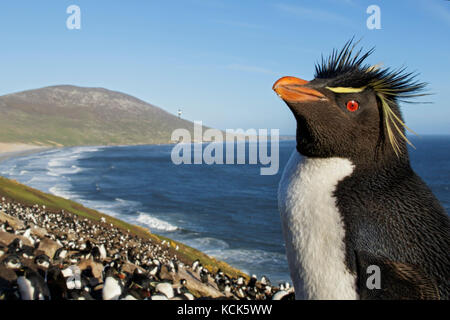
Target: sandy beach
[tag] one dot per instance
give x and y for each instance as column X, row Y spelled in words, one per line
column 8, row 150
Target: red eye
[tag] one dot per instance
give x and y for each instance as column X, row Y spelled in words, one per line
column 352, row 105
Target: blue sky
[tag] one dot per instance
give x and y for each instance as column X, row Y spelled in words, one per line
column 218, row 59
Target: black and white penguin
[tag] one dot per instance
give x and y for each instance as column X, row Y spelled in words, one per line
column 240, row 281
column 195, row 265
column 348, row 197
column 284, row 294
column 7, row 227
column 99, row 253
column 154, row 270
column 138, row 287
column 173, row 266
column 251, row 293
column 31, row 285
column 204, row 275
column 265, row 281
column 27, row 252
column 182, row 292
column 221, row 284
column 42, row 262
column 252, row 282
column 113, row 283
column 60, row 254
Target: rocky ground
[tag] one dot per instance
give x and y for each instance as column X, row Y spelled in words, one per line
column 46, row 254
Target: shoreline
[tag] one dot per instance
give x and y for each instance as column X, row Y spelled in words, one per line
column 28, row 151
column 235, row 259
column 16, row 150
column 177, row 264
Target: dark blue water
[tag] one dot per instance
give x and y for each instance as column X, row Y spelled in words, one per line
column 228, row 211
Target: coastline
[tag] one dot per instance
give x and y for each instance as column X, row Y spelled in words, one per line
column 15, row 150
column 190, row 254
column 176, row 262
column 147, row 214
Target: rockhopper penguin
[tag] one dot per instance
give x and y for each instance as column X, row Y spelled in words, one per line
column 31, row 285
column 349, row 201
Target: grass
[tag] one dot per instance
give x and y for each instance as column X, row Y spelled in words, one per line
column 20, row 193
column 24, row 122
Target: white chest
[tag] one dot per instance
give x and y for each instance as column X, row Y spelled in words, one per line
column 26, row 289
column 313, row 228
column 111, row 289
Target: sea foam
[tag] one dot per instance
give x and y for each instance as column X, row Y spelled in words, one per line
column 154, row 223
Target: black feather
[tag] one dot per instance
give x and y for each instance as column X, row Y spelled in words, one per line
column 348, row 68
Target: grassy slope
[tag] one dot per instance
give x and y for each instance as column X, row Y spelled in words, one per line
column 29, row 196
column 74, row 116
column 82, row 130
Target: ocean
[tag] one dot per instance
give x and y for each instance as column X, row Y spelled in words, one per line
column 227, row 211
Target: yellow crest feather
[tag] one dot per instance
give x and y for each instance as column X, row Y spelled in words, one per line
column 391, row 118
column 346, row 89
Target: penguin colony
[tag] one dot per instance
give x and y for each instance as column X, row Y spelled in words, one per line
column 47, row 255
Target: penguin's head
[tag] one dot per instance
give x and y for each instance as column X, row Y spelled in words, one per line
column 13, row 262
column 42, row 261
column 350, row 108
column 114, row 272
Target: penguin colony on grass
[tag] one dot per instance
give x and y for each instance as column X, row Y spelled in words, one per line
column 351, row 206
column 47, row 255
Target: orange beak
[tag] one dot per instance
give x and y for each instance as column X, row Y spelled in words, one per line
column 293, row 90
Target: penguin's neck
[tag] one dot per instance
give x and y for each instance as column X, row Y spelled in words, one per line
column 313, row 227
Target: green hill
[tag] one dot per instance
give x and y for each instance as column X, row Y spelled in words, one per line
column 69, row 116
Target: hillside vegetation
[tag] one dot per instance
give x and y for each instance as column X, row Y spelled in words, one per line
column 73, row 116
